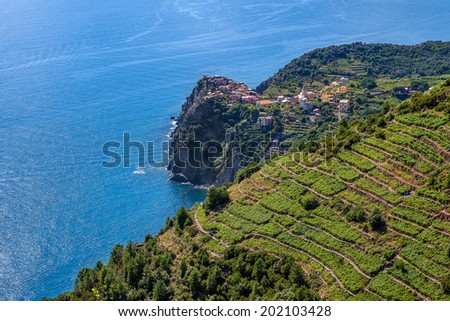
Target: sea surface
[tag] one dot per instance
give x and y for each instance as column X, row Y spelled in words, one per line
column 77, row 74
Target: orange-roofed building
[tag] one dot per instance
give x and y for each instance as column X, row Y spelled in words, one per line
column 265, row 102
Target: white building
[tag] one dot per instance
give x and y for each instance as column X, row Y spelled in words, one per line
column 344, row 105
column 265, row 121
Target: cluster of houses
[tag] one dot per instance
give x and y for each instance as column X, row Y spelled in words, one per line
column 238, row 92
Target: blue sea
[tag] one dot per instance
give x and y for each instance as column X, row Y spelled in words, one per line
column 77, row 74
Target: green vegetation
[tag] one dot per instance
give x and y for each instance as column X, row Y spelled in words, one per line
column 217, row 198
column 386, row 287
column 376, row 220
column 344, row 172
column 328, row 186
column 356, row 214
column 147, row 271
column 369, row 152
column 430, row 121
column 353, row 60
column 247, row 171
column 357, row 161
column 363, row 216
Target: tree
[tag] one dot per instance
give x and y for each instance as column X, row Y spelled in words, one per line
column 133, row 268
column 116, row 254
column 181, row 217
column 376, row 220
column 160, row 291
column 356, row 214
column 258, row 270
column 117, row 291
column 194, row 282
column 146, row 282
column 217, row 197
column 368, row 83
column 386, row 107
column 296, row 275
column 85, row 282
column 419, row 85
column 203, row 257
column 399, row 265
column 183, row 267
column 212, row 281
column 256, row 293
column 310, row 202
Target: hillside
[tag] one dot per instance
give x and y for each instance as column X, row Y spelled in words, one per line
column 359, row 61
column 364, row 213
column 367, row 210
column 304, row 100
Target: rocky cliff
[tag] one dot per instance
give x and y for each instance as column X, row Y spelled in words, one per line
column 201, row 152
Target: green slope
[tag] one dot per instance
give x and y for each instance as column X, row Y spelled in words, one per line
column 363, row 216
column 368, row 210
column 359, row 60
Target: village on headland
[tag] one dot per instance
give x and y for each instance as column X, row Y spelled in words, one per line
column 290, row 114
column 304, row 107
column 307, row 104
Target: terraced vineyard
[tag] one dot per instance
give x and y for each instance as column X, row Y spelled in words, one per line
column 371, row 221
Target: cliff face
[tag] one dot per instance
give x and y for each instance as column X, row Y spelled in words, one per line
column 199, row 152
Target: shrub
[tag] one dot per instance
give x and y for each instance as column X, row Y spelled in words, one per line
column 356, row 214
column 388, row 254
column 310, row 202
column 399, row 265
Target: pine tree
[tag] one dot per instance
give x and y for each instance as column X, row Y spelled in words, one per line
column 183, row 267
column 160, row 291
column 194, row 282
column 212, row 281
column 180, row 218
column 296, row 275
column 258, row 270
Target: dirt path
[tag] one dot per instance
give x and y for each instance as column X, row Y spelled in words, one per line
column 309, row 256
column 346, row 202
column 424, row 298
column 352, row 185
column 199, row 226
column 259, row 187
column 412, row 151
column 246, row 195
column 438, row 148
column 344, row 256
column 367, row 176
column 420, row 271
column 308, row 188
column 366, row 192
column 390, row 160
column 374, row 294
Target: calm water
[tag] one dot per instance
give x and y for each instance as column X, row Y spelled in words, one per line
column 76, row 74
